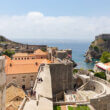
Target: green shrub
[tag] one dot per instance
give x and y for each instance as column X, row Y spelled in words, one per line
column 43, row 49
column 105, row 39
column 105, row 57
column 57, row 108
column 96, row 48
column 101, row 75
column 70, row 108
column 8, row 53
column 91, row 46
column 91, row 70
column 75, row 71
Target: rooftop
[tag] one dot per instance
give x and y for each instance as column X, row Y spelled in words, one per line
column 11, row 93
column 40, row 52
column 36, row 52
column 24, row 66
column 104, row 66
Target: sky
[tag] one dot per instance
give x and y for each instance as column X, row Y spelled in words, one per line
column 54, row 19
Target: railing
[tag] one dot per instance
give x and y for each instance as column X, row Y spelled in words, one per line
column 82, row 87
column 102, row 81
column 71, row 103
column 36, row 81
column 23, row 103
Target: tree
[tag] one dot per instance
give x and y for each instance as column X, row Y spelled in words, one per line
column 8, row 53
column 105, row 57
column 96, row 48
column 101, row 75
column 43, row 49
column 75, row 71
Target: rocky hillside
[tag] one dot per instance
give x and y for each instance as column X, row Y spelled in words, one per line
column 97, row 47
column 6, row 44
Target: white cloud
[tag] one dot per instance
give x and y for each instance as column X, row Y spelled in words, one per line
column 36, row 25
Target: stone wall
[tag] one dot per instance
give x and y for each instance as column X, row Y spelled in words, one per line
column 21, row 79
column 94, row 86
column 61, row 75
column 103, row 36
column 63, row 53
column 2, row 83
column 102, row 103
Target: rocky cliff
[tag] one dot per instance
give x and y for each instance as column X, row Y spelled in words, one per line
column 97, row 47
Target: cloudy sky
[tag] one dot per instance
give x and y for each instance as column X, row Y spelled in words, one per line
column 54, row 19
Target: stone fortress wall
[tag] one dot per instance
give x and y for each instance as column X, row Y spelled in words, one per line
column 54, row 79
column 61, row 76
column 102, row 102
column 2, row 83
column 102, row 87
column 103, row 36
column 63, row 53
column 94, row 86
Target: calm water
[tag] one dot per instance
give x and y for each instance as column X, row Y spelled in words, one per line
column 78, row 52
column 78, row 49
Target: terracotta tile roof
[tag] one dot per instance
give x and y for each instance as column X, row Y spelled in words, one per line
column 108, row 69
column 37, row 52
column 107, row 64
column 20, row 54
column 13, row 92
column 104, row 66
column 11, row 106
column 24, row 66
column 40, row 52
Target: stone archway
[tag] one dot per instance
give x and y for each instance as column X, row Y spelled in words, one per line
column 79, row 83
column 10, row 84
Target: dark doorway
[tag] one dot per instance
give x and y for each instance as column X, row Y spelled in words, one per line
column 23, row 87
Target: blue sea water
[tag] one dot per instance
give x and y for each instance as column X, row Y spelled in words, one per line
column 78, row 52
column 78, row 49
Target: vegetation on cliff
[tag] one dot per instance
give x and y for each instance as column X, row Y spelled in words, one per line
column 97, row 47
column 105, row 57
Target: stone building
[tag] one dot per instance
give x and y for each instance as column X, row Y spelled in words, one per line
column 51, row 82
column 2, row 83
column 38, row 54
column 103, row 67
column 53, row 52
column 61, row 77
column 103, row 36
column 23, row 72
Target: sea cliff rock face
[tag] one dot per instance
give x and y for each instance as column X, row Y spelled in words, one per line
column 97, row 47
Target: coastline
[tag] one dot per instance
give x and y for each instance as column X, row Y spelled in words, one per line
column 78, row 49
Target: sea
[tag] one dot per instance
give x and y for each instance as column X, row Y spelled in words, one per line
column 78, row 48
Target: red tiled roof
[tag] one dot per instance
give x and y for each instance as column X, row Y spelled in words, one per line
column 40, row 52
column 24, row 66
